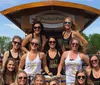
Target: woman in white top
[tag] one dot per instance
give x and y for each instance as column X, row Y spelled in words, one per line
column 33, row 59
column 73, row 61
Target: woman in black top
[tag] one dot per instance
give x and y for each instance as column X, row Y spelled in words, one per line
column 70, row 30
column 94, row 71
column 53, row 55
column 37, row 32
column 15, row 52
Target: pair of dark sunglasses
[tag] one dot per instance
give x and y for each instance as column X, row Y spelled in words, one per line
column 37, row 27
column 83, row 77
column 33, row 43
column 94, row 61
column 22, row 77
column 69, row 23
column 15, row 42
column 76, row 44
column 52, row 42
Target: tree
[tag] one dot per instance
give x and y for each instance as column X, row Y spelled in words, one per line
column 94, row 43
column 5, row 43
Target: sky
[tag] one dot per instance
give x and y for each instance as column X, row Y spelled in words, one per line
column 7, row 28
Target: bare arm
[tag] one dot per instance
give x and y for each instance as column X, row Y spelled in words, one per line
column 61, row 64
column 5, row 57
column 45, row 64
column 25, row 41
column 44, row 40
column 82, row 39
column 22, row 62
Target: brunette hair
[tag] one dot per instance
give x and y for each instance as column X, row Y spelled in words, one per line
column 90, row 56
column 87, row 80
column 54, row 79
column 14, row 72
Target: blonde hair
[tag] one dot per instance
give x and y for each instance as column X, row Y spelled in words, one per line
column 16, row 80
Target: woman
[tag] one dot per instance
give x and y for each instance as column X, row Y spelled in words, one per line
column 54, row 81
column 37, row 32
column 15, row 52
column 21, row 78
column 70, row 31
column 10, row 71
column 33, row 60
column 53, row 55
column 73, row 61
column 39, row 79
column 82, row 78
column 94, row 72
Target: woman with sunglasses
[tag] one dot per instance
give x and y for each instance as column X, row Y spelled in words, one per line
column 33, row 60
column 70, row 31
column 15, row 52
column 82, row 78
column 21, row 78
column 53, row 55
column 39, row 79
column 37, row 32
column 94, row 72
column 10, row 71
column 73, row 60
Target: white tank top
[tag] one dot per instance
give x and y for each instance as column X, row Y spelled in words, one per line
column 71, row 66
column 33, row 67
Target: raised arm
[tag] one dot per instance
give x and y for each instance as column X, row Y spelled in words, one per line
column 82, row 39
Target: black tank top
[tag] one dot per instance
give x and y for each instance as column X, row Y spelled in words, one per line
column 53, row 63
column 16, row 59
column 66, row 41
column 95, row 80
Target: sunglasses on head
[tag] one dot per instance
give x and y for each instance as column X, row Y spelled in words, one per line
column 15, row 42
column 52, row 42
column 69, row 23
column 94, row 61
column 33, row 43
column 22, row 77
column 37, row 27
column 83, row 77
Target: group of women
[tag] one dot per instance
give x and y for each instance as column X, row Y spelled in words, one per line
column 25, row 62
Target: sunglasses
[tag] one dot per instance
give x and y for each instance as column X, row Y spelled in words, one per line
column 15, row 42
column 52, row 42
column 94, row 61
column 83, row 77
column 69, row 23
column 22, row 77
column 35, row 44
column 75, row 44
column 37, row 27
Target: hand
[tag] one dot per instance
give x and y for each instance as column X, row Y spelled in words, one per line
column 50, row 74
column 58, row 75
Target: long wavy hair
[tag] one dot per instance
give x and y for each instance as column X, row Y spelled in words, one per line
column 87, row 80
column 36, row 76
column 16, row 80
column 74, row 26
column 41, row 25
column 80, row 48
column 14, row 72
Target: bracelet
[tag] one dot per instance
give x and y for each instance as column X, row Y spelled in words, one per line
column 48, row 72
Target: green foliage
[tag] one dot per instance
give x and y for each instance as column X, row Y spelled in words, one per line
column 93, row 43
column 5, row 43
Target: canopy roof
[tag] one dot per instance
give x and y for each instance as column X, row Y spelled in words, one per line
column 15, row 14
